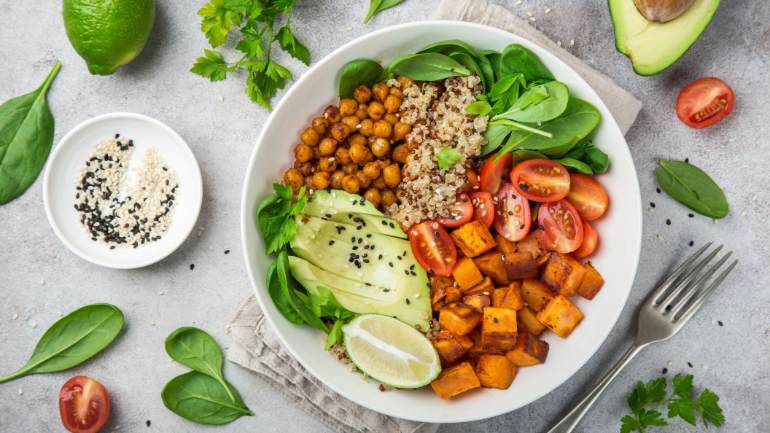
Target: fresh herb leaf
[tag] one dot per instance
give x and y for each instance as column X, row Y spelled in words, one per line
column 478, row 108
column 692, row 187
column 710, row 411
column 202, row 399
column 447, row 157
column 275, row 216
column 358, row 72
column 377, row 6
column 212, row 66
column 73, row 339
column 335, row 335
column 427, row 67
column 292, row 45
column 196, row 349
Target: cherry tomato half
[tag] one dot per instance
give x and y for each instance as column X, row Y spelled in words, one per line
column 704, row 102
column 541, row 180
column 460, row 213
column 433, row 248
column 512, row 218
column 590, row 242
column 84, row 405
column 562, row 226
column 588, row 196
column 484, row 207
column 492, row 172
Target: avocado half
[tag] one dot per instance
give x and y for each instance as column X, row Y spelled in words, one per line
column 652, row 46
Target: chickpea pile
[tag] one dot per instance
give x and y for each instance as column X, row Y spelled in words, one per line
column 357, row 146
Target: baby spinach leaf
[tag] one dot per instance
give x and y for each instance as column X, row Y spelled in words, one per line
column 274, row 216
column 377, row 6
column 692, row 187
column 280, row 299
column 576, row 165
column 202, row 399
column 449, row 45
column 447, row 157
column 427, row 67
column 26, row 137
column 357, row 72
column 196, row 349
column 517, row 59
column 539, row 103
column 518, row 156
column 290, row 295
column 73, row 339
column 590, row 155
column 469, row 62
column 495, row 136
column 495, row 60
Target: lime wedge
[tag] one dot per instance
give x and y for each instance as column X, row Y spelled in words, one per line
column 391, row 351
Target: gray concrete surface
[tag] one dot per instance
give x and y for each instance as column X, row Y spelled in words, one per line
column 40, row 279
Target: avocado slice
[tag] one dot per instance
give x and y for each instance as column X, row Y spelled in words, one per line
column 653, row 46
column 346, row 208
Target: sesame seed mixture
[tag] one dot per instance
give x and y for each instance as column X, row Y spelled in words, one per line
column 119, row 214
column 435, row 110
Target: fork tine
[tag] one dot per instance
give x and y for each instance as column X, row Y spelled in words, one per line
column 685, row 282
column 695, row 287
column 661, row 289
column 695, row 306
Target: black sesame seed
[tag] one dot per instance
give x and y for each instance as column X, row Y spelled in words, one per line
column 691, row 215
column 368, row 235
column 192, row 266
column 652, row 204
column 719, row 322
column 392, row 225
column 687, row 160
column 657, row 190
column 355, row 247
column 148, row 423
column 408, row 301
column 689, row 364
column 390, row 264
column 227, row 251
column 668, row 222
column 691, row 243
column 665, row 370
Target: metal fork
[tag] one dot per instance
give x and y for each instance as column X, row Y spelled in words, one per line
column 661, row 316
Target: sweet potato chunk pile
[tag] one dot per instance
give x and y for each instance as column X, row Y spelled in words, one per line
column 500, row 299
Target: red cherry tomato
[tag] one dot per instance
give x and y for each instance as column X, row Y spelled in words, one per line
column 590, row 242
column 484, row 207
column 541, row 180
column 460, row 213
column 84, row 405
column 562, row 226
column 492, row 172
column 588, row 196
column 512, row 219
column 433, row 248
column 704, row 102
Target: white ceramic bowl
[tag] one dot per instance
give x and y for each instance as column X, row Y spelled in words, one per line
column 64, row 168
column 620, row 231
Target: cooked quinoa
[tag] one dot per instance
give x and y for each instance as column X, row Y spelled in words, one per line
column 435, row 110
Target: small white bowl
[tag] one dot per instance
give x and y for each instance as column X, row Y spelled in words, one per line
column 63, row 171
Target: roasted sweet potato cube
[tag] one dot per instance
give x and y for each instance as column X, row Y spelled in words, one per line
column 467, row 274
column 437, row 282
column 484, row 288
column 519, row 266
column 528, row 320
column 450, row 346
column 453, row 294
column 535, row 293
column 495, row 371
column 560, row 315
column 455, row 380
column 511, row 297
column 563, row 274
column 491, row 265
column 478, row 301
column 498, row 329
column 504, row 245
column 458, row 318
column 473, row 239
column 529, row 350
column 477, row 349
column 592, row 282
column 535, row 246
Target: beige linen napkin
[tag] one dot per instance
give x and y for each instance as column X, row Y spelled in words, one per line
column 255, row 345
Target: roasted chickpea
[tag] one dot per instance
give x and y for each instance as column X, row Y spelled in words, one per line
column 327, row 163
column 400, row 153
column 320, row 125
column 373, row 195
column 352, row 122
column 348, row 106
column 391, row 118
column 336, row 181
column 303, row 152
column 380, row 91
column 332, row 114
column 294, row 179
column 357, row 139
column 350, row 168
column 310, row 137
column 350, row 184
column 358, row 153
column 379, row 183
column 343, row 155
column 400, row 130
column 392, row 175
column 380, row 147
column 388, row 197
column 382, row 128
column 395, row 91
column 363, row 180
column 340, row 131
column 321, row 180
column 372, row 170
column 327, row 146
column 363, row 111
column 376, row 110
column 306, row 168
column 403, row 81
column 367, row 127
column 392, row 103
column 362, row 94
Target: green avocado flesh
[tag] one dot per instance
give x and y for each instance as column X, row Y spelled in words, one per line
column 652, row 46
column 342, row 207
column 367, row 271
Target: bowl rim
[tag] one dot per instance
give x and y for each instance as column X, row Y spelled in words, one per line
column 66, row 140
column 247, row 218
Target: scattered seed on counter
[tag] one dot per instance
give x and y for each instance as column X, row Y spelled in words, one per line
column 719, row 322
column 652, row 204
column 148, row 423
column 657, row 190
column 689, row 364
column 227, row 252
column 665, row 370
column 692, row 243
column 668, row 222
column 192, row 266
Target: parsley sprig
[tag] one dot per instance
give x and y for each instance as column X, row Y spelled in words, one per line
column 680, row 403
column 257, row 24
column 275, row 216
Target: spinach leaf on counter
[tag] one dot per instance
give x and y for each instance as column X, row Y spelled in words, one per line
column 202, row 399
column 275, row 216
column 73, row 339
column 357, row 72
column 26, row 137
column 427, row 67
column 692, row 187
column 377, row 6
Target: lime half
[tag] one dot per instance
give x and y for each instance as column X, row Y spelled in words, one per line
column 391, row 351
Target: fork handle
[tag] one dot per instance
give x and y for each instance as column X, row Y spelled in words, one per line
column 571, row 420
